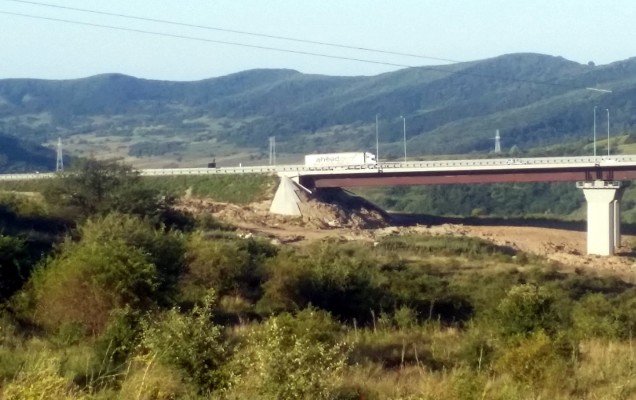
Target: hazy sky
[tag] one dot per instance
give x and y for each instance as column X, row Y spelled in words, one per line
column 579, row 30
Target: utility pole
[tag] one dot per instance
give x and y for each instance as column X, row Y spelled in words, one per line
column 377, row 141
column 608, row 138
column 59, row 162
column 595, row 107
column 404, row 131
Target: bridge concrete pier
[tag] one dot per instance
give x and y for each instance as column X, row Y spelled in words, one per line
column 603, row 216
column 286, row 200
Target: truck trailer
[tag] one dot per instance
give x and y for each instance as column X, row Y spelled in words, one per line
column 332, row 159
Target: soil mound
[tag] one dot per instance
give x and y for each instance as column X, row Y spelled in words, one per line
column 323, row 209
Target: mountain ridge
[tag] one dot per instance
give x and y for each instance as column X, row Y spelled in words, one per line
column 534, row 99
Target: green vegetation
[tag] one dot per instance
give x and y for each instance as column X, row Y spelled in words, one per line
column 20, row 155
column 237, row 189
column 499, row 200
column 125, row 305
column 454, row 112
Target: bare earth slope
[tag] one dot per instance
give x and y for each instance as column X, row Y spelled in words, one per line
column 324, row 220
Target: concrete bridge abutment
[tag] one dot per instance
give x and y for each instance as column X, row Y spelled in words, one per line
column 603, row 216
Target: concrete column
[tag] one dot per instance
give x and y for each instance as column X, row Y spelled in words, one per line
column 603, row 216
column 617, row 224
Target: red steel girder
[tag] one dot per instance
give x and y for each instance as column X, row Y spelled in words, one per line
column 469, row 177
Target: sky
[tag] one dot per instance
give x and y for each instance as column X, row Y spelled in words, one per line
column 434, row 30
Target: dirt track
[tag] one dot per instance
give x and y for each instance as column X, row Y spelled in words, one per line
column 566, row 247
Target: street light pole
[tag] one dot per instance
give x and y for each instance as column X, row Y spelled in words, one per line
column 595, row 107
column 404, row 131
column 608, row 138
column 377, row 143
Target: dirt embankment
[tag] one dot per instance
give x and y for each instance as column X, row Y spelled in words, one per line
column 340, row 215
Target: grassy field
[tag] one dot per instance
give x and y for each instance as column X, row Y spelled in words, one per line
column 237, row 189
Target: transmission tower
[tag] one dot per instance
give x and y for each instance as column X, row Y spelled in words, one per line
column 59, row 163
column 497, row 142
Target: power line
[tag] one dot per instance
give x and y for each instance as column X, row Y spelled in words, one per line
column 200, row 39
column 240, row 32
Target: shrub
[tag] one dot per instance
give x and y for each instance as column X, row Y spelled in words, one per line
column 345, row 283
column 191, row 342
column 625, row 311
column 526, row 309
column 477, row 349
column 149, row 380
column 468, row 385
column 40, row 379
column 594, row 316
column 119, row 261
column 23, row 204
column 218, row 265
column 405, row 317
column 535, row 361
column 164, row 248
column 289, row 358
column 87, row 281
column 119, row 338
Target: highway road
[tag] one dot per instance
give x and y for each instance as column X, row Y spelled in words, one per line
column 491, row 164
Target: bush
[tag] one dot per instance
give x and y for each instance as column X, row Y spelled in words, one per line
column 525, row 310
column 119, row 338
column 595, row 317
column 191, row 342
column 40, row 379
column 289, row 358
column 119, row 261
column 345, row 283
column 149, row 380
column 23, row 204
column 220, row 265
column 87, row 281
column 467, row 385
column 165, row 248
column 535, row 361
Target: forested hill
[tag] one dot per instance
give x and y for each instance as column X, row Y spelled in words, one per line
column 534, row 100
column 24, row 156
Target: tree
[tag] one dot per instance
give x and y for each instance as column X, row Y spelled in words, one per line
column 92, row 186
column 97, row 187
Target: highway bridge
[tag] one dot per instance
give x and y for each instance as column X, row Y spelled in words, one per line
column 546, row 169
column 599, row 177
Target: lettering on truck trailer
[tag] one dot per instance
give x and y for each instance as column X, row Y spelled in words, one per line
column 340, row 159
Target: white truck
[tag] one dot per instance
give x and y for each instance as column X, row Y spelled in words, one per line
column 335, row 159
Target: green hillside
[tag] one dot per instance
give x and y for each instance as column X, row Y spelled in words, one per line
column 23, row 156
column 534, row 100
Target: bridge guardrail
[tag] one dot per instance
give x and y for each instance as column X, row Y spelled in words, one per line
column 502, row 163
